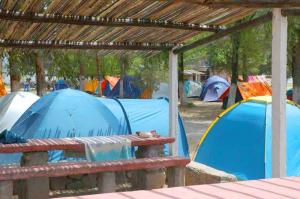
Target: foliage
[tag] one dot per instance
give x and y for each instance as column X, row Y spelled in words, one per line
column 254, row 51
column 293, row 37
column 21, row 61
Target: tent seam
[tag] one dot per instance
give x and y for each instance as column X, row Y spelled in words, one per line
column 125, row 114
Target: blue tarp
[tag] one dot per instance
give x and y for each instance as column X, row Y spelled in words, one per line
column 60, row 84
column 240, row 141
column 131, row 89
column 72, row 113
column 213, row 89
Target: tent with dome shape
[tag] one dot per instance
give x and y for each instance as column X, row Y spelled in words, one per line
column 213, row 89
column 239, row 140
column 71, row 113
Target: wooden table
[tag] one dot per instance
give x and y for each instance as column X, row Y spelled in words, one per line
column 37, row 145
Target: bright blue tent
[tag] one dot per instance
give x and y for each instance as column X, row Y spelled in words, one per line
column 72, row 113
column 239, row 140
column 213, row 89
column 131, row 90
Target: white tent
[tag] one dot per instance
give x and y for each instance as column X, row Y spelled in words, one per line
column 192, row 89
column 12, row 106
column 161, row 91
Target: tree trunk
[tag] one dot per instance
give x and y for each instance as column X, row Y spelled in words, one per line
column 234, row 67
column 99, row 75
column 182, row 94
column 40, row 74
column 123, row 63
column 245, row 69
column 14, row 76
column 81, row 73
column 1, row 67
column 296, row 74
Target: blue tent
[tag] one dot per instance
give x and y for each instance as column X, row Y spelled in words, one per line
column 60, row 84
column 213, row 89
column 239, row 140
column 72, row 113
column 131, row 90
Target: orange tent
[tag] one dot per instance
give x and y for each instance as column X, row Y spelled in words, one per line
column 91, row 86
column 250, row 89
column 147, row 93
column 112, row 80
column 254, row 89
column 2, row 87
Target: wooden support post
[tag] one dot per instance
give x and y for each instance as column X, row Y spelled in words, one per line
column 107, row 182
column 173, row 101
column 6, row 189
column 279, row 62
column 35, row 187
column 176, row 176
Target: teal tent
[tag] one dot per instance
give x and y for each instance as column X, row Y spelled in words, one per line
column 71, row 113
column 239, row 140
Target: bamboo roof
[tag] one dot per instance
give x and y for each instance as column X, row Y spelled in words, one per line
column 101, row 24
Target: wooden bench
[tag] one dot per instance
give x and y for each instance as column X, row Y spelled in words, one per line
column 36, row 171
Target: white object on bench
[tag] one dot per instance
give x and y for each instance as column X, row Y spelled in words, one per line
column 99, row 149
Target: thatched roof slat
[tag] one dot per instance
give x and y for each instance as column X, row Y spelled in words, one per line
column 148, row 21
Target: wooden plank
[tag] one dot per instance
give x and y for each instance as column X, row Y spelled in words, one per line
column 84, row 45
column 221, row 34
column 247, row 3
column 95, row 21
column 157, row 13
column 291, row 12
column 284, row 188
column 35, row 145
column 279, row 62
column 77, row 168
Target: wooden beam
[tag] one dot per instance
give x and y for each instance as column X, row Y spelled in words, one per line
column 96, row 21
column 85, row 45
column 279, row 62
column 247, row 3
column 291, row 12
column 221, row 34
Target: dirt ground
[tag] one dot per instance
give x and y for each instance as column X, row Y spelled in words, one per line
column 196, row 119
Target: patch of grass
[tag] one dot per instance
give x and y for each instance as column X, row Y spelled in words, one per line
column 190, row 105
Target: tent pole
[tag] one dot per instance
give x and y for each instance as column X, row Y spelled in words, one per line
column 173, row 101
column 279, row 62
